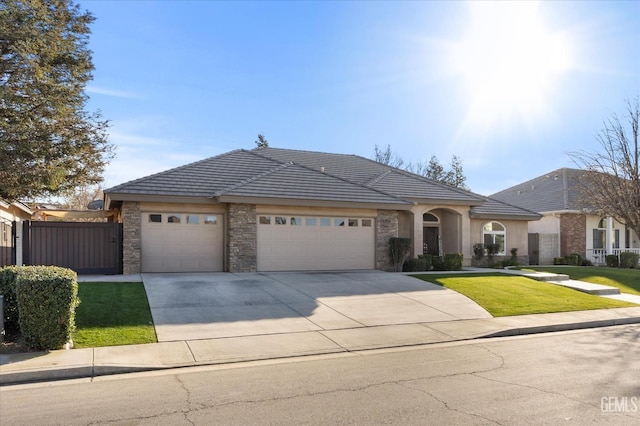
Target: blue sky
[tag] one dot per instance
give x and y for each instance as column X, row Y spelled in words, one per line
column 510, row 88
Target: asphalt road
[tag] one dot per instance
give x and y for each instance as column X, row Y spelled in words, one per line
column 580, row 377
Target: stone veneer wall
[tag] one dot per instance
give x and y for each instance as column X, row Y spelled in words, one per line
column 131, row 237
column 386, row 227
column 242, row 238
column 573, row 238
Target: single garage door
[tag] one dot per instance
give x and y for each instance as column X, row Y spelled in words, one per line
column 181, row 242
column 299, row 243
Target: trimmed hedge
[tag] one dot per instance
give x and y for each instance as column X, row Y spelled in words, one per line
column 426, row 262
column 8, row 276
column 628, row 259
column 611, row 260
column 453, row 261
column 47, row 300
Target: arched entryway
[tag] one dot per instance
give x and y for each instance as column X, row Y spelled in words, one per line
column 431, row 243
column 440, row 231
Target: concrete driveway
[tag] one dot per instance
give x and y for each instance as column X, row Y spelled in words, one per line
column 219, row 305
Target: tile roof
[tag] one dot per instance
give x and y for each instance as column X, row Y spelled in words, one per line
column 305, row 175
column 372, row 174
column 554, row 191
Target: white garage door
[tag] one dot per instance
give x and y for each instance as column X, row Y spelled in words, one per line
column 181, row 242
column 299, row 243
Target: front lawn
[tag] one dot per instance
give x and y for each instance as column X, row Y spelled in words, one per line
column 505, row 295
column 627, row 280
column 112, row 313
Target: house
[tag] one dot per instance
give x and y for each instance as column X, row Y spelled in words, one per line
column 273, row 209
column 567, row 226
column 12, row 214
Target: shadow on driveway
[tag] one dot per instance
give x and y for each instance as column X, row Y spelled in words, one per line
column 215, row 305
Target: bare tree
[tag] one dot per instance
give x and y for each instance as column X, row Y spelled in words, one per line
column 611, row 185
column 80, row 197
column 387, row 157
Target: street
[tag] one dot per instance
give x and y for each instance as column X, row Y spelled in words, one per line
column 579, row 377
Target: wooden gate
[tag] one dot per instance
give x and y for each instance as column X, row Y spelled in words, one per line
column 85, row 247
column 7, row 243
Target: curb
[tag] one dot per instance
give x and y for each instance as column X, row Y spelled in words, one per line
column 86, row 371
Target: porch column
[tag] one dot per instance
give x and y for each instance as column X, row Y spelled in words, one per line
column 609, row 236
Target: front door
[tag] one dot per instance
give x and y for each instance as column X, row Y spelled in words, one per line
column 430, row 244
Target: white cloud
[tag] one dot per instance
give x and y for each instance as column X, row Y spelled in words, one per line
column 112, row 92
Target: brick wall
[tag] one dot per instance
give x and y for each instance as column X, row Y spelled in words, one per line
column 386, row 227
column 242, row 232
column 573, row 237
column 130, row 237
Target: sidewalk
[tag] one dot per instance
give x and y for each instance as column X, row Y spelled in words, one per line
column 92, row 362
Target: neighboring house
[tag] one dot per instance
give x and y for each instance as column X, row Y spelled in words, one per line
column 567, row 227
column 11, row 217
column 276, row 209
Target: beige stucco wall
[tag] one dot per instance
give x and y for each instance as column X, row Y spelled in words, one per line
column 549, row 224
column 517, row 234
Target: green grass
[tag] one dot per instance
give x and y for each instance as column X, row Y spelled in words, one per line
column 112, row 313
column 627, row 280
column 505, row 295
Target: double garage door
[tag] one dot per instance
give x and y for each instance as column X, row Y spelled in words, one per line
column 194, row 242
column 182, row 242
column 290, row 243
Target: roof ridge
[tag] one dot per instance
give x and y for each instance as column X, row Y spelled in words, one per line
column 377, row 178
column 252, row 179
column 164, row 172
column 415, row 175
column 339, row 177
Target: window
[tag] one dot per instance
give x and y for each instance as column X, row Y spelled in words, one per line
column 494, row 233
column 600, row 236
column 174, row 218
column 338, row 222
column 295, row 221
column 193, row 219
column 310, row 221
column 366, row 223
column 353, row 222
column 264, row 220
column 211, row 220
column 325, row 221
column 428, row 217
column 155, row 218
column 281, row 220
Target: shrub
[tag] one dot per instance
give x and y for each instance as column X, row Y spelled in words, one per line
column 628, row 259
column 399, row 249
column 47, row 300
column 559, row 261
column 492, row 250
column 611, row 260
column 586, row 262
column 453, row 261
column 574, row 259
column 438, row 263
column 428, row 261
column 8, row 290
column 414, row 265
column 478, row 251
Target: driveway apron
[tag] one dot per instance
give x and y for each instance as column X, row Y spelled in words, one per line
column 219, row 305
